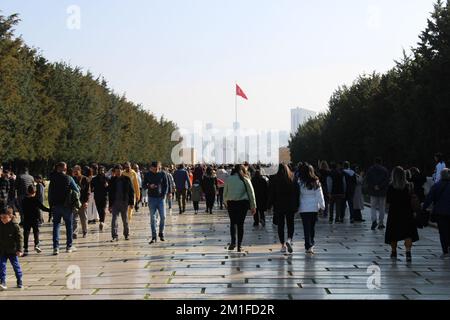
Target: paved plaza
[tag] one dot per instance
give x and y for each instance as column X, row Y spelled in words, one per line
column 193, row 263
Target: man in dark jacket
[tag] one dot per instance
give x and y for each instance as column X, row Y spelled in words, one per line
column 439, row 196
column 121, row 197
column 81, row 214
column 23, row 181
column 377, row 182
column 156, row 183
column 11, row 246
column 336, row 192
column 182, row 184
column 59, row 191
column 99, row 186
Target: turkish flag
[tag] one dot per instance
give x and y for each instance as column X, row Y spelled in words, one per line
column 240, row 92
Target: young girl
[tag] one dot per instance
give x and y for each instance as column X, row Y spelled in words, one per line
column 31, row 213
column 10, row 246
column 196, row 193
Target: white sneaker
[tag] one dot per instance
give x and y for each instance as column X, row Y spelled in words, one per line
column 71, row 249
column 38, row 249
column 3, row 287
column 289, row 246
column 283, row 249
column 55, row 251
column 310, row 250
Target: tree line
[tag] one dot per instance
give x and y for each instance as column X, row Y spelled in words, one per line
column 54, row 111
column 402, row 115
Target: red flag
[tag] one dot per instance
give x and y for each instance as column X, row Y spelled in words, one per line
column 240, row 92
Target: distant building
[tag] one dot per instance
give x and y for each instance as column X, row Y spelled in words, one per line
column 285, row 155
column 188, row 156
column 299, row 116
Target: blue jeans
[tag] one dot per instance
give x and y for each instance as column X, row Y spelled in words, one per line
column 157, row 204
column 15, row 264
column 59, row 212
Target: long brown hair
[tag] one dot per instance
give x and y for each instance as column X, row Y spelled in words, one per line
column 284, row 175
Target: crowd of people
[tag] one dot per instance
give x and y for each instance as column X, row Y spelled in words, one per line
column 82, row 196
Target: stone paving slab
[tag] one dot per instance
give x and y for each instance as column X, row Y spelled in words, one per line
column 194, row 264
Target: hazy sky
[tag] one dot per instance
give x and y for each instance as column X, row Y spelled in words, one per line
column 181, row 58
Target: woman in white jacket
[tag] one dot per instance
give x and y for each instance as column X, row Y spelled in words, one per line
column 311, row 202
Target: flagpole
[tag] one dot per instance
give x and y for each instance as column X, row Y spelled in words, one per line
column 235, row 105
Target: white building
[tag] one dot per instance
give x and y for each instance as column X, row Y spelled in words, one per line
column 299, row 116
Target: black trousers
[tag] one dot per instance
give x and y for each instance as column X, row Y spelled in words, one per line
column 26, row 234
column 357, row 215
column 339, row 203
column 285, row 218
column 220, row 197
column 210, row 199
column 444, row 232
column 259, row 217
column 196, row 206
column 237, row 211
column 101, row 208
column 309, row 231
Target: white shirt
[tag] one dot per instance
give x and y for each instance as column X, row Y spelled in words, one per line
column 439, row 167
column 311, row 200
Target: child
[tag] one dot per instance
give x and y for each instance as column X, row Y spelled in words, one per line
column 32, row 218
column 10, row 246
column 196, row 193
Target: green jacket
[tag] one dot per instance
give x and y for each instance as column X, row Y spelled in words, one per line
column 235, row 190
column 11, row 240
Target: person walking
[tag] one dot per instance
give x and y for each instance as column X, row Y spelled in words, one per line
column 401, row 224
column 311, row 202
column 140, row 180
column 350, row 185
column 80, row 215
column 59, row 199
column 157, row 185
column 336, row 193
column 32, row 207
column 222, row 176
column 209, row 187
column 439, row 197
column 358, row 198
column 239, row 197
column 23, row 181
column 40, row 190
column 182, row 185
column 171, row 187
column 324, row 173
column 4, row 186
column 261, row 186
column 132, row 175
column 284, row 198
column 196, row 194
column 99, row 187
column 11, row 246
column 121, row 199
column 377, row 181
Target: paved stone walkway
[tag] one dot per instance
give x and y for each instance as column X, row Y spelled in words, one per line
column 194, row 264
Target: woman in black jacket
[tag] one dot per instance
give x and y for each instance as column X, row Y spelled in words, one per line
column 261, row 187
column 209, row 187
column 284, row 196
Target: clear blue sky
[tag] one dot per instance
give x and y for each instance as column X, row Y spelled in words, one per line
column 181, row 58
